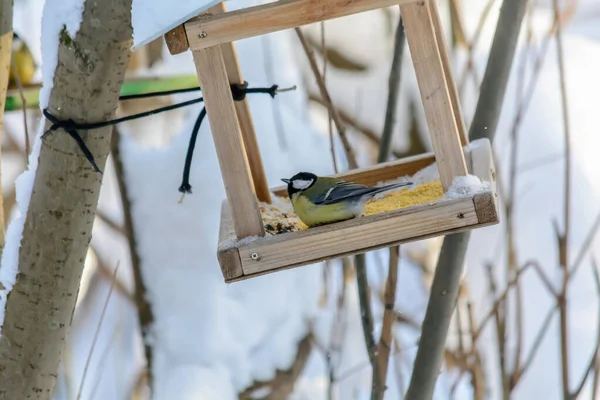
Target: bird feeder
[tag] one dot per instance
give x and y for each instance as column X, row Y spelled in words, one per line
column 244, row 251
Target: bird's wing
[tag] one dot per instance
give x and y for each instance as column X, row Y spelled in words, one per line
column 342, row 191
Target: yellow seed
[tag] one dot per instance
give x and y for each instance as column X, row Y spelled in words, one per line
column 424, row 193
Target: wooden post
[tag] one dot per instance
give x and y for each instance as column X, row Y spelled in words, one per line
column 435, row 93
column 177, row 42
column 220, row 108
column 245, row 118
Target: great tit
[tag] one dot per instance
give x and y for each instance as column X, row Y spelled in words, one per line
column 319, row 200
column 24, row 62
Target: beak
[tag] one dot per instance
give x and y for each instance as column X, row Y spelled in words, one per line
column 286, row 180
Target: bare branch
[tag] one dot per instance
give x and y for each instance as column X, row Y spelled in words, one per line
column 517, row 375
column 144, row 309
column 563, row 239
column 112, row 224
column 283, row 383
column 389, row 300
column 23, row 104
column 594, row 358
column 393, row 90
column 585, row 246
column 364, row 297
column 89, row 357
column 325, row 95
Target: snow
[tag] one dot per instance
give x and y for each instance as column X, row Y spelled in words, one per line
column 57, row 13
column 150, row 21
column 242, row 332
column 466, row 186
column 10, row 255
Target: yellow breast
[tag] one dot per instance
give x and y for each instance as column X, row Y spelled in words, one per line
column 312, row 214
column 25, row 68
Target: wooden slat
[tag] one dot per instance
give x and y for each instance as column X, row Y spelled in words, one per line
column 378, row 173
column 228, row 142
column 228, row 256
column 176, row 40
column 482, row 160
column 207, row 31
column 357, row 235
column 245, row 118
column 443, row 49
column 421, row 38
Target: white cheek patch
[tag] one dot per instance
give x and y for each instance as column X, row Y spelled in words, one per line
column 300, row 184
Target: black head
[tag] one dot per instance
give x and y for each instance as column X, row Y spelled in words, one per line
column 300, row 182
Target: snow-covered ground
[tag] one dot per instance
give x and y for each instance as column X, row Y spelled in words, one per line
column 212, row 340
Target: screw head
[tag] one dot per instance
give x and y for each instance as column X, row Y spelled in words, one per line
column 202, row 34
column 255, row 256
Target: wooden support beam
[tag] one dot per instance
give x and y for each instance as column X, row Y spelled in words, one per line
column 435, row 95
column 210, row 30
column 245, row 118
column 176, row 40
column 220, row 108
column 443, row 49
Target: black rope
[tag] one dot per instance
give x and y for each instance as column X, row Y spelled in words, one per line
column 185, row 183
column 238, row 91
column 157, row 94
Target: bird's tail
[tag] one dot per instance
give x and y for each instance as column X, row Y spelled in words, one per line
column 389, row 187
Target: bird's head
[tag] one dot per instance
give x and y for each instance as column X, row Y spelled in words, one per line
column 300, row 182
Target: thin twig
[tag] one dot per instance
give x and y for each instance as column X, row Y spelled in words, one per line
column 102, row 362
column 499, row 301
column 398, row 368
column 364, row 297
column 538, row 269
column 23, row 104
column 478, row 376
column 355, row 125
column 471, row 46
column 389, row 300
column 500, row 319
column 539, row 337
column 393, row 91
column 325, row 95
column 589, row 239
column 563, row 239
column 597, row 364
column 144, row 309
column 89, row 357
column 275, row 105
column 112, row 224
column 329, row 121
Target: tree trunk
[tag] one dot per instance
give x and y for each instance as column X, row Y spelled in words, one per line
column 6, row 17
column 58, row 225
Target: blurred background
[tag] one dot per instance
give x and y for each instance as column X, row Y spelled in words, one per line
column 522, row 325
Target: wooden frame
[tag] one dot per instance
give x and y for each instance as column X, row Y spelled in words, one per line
column 248, row 259
column 210, row 38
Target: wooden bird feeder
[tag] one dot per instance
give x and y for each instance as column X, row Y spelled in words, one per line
column 210, row 36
